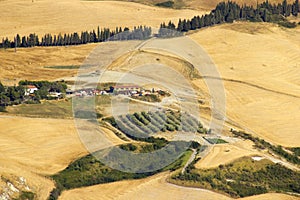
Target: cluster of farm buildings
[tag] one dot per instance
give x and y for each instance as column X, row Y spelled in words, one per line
column 128, row 90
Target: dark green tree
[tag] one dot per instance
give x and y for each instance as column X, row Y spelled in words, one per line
column 180, row 26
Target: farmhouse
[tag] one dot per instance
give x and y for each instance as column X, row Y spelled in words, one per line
column 30, row 89
column 126, row 89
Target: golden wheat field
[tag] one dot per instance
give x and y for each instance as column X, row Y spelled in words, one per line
column 259, row 64
column 31, row 63
column 67, row 16
column 34, row 147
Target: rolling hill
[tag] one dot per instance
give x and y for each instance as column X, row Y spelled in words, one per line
column 199, row 4
column 67, row 16
column 259, row 64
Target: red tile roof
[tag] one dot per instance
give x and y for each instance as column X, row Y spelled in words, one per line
column 30, row 86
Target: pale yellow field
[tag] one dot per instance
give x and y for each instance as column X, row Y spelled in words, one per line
column 33, row 147
column 261, row 68
column 201, row 4
column 208, row 5
column 66, row 16
column 30, row 63
column 45, row 145
column 226, row 153
column 154, row 187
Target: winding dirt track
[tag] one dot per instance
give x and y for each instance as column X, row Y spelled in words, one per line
column 252, row 85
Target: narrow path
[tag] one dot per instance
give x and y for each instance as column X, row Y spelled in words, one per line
column 151, row 104
column 252, row 85
column 192, row 158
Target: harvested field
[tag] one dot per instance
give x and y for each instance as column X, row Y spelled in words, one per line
column 262, row 92
column 69, row 16
column 154, row 187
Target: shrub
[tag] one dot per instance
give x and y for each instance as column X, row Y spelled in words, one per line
column 84, row 114
column 2, row 109
column 128, row 147
column 287, row 24
column 26, row 195
column 166, row 4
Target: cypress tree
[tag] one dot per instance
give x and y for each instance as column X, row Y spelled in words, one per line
column 284, row 8
column 230, row 17
column 24, row 42
column 59, row 40
column 194, row 23
column 180, row 26
column 18, row 40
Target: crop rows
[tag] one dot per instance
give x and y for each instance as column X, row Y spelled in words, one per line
column 147, row 123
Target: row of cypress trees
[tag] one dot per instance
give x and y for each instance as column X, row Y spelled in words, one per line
column 225, row 12
column 99, row 35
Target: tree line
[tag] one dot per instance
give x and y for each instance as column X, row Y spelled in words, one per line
column 241, row 178
column 224, row 12
column 262, row 144
column 14, row 95
column 228, row 12
column 94, row 36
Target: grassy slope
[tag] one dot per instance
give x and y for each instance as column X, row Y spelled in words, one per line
column 200, row 4
column 67, row 16
column 243, row 177
column 47, row 109
column 259, row 64
column 31, row 147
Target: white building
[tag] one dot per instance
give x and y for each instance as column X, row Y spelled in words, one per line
column 127, row 89
column 30, row 89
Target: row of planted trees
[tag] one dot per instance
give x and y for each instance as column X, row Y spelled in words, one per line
column 141, row 124
column 227, row 12
column 99, row 35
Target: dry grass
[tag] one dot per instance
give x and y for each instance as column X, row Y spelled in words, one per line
column 30, row 147
column 67, row 16
column 38, row 184
column 46, row 109
column 40, row 143
column 260, row 65
column 226, row 153
column 154, row 187
column 30, row 63
column 36, row 147
column 201, row 4
column 207, row 5
column 273, row 196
